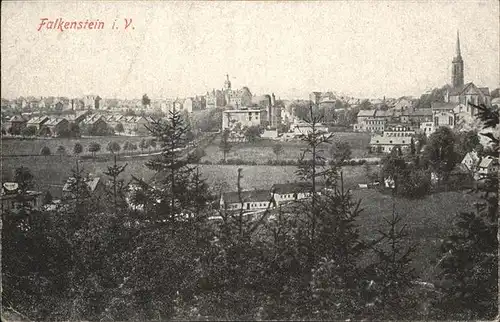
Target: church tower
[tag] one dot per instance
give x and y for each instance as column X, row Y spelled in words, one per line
column 227, row 83
column 457, row 72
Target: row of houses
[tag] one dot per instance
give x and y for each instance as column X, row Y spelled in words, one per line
column 279, row 195
column 95, row 123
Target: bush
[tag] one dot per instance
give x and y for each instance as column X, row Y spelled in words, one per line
column 416, row 183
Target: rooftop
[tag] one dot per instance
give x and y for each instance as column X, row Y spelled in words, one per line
column 247, row 196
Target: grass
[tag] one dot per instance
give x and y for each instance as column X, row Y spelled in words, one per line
column 262, row 150
column 428, row 220
column 52, row 171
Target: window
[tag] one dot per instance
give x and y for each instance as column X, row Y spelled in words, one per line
column 436, row 121
column 450, row 120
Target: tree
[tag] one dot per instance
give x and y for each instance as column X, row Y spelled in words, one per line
column 152, row 143
column 45, row 151
column 413, row 149
column 145, row 100
column 278, row 150
column 225, row 145
column 393, row 167
column 440, row 152
column 340, row 151
column 495, row 93
column 94, row 147
column 29, row 131
column 119, row 128
column 133, row 147
column 24, row 178
column 74, row 130
column 127, row 146
column 252, row 133
column 196, row 155
column 47, row 198
column 61, row 150
column 77, row 149
column 365, row 105
column 174, row 173
column 391, row 276
column 113, row 147
column 116, row 190
column 421, row 140
column 144, row 144
column 466, row 142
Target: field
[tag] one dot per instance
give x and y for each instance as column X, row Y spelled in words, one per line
column 262, row 151
column 428, row 220
column 33, row 147
column 52, row 171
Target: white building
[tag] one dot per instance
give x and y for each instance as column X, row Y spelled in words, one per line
column 246, row 118
column 385, row 144
column 246, row 200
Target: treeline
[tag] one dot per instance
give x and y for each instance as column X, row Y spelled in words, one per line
column 164, row 258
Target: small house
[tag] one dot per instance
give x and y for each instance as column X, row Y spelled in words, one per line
column 95, row 185
column 487, row 166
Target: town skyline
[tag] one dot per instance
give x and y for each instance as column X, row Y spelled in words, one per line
column 168, row 56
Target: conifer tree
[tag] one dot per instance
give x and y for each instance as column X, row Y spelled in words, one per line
column 116, row 190
column 388, row 293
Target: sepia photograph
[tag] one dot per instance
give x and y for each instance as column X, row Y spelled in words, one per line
column 249, row 160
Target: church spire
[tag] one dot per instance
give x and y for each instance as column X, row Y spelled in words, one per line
column 457, row 72
column 458, row 45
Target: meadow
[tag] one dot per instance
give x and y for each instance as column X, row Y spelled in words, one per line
column 262, row 150
column 427, row 220
column 51, row 172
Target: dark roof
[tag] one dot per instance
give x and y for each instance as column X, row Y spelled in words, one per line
column 17, row 118
column 247, row 196
column 294, row 187
column 485, row 90
column 443, row 106
column 419, row 112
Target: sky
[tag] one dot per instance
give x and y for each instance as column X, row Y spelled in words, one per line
column 179, row 49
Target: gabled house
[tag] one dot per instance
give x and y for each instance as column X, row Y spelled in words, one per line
column 247, row 200
column 37, row 122
column 371, row 121
column 95, row 123
column 471, row 161
column 16, row 124
column 78, row 117
column 487, row 166
column 55, row 126
column 96, row 187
